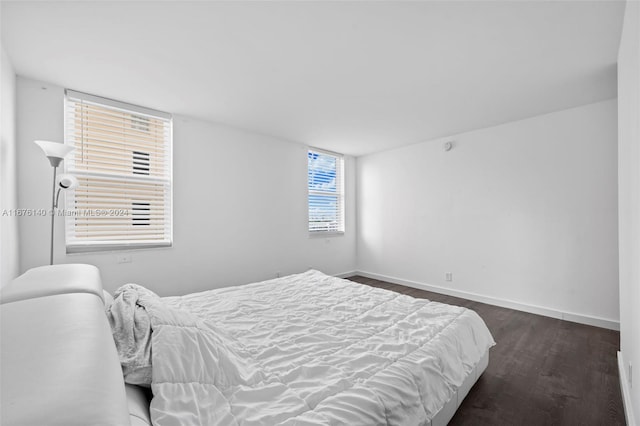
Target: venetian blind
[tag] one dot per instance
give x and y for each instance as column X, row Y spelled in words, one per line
column 326, row 193
column 122, row 159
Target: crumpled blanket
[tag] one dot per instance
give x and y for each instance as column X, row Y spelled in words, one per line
column 180, row 356
column 131, row 328
column 306, row 349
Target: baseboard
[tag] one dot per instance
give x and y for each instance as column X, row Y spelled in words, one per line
column 626, row 392
column 533, row 309
column 346, row 274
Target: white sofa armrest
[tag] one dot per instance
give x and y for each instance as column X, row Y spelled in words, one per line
column 58, row 360
column 55, row 279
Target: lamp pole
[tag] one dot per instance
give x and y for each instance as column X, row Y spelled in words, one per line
column 53, row 212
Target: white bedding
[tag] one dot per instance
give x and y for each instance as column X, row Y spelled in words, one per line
column 308, row 349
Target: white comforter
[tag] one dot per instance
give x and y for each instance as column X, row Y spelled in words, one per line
column 308, row 349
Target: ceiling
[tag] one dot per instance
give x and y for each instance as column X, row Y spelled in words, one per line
column 353, row 77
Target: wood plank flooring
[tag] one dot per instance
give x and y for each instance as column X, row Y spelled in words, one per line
column 542, row 371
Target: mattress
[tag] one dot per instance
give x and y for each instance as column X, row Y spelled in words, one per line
column 313, row 349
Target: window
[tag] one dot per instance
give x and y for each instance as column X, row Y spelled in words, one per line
column 122, row 160
column 326, row 193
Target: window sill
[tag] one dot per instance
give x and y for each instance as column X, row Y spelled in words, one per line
column 115, row 248
column 324, row 234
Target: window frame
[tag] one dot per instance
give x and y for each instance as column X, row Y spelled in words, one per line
column 339, row 194
column 76, row 247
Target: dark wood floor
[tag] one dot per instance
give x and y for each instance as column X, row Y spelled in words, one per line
column 542, row 371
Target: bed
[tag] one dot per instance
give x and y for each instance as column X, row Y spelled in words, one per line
column 307, row 349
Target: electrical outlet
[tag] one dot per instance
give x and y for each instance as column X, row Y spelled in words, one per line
column 124, row 258
column 448, row 276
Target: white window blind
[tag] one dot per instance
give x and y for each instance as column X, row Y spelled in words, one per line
column 326, row 192
column 122, row 159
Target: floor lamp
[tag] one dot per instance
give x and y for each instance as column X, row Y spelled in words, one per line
column 56, row 152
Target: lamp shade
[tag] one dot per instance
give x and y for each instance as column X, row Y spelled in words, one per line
column 54, row 151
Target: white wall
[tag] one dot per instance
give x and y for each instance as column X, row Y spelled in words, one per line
column 9, row 261
column 525, row 212
column 629, row 207
column 239, row 206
